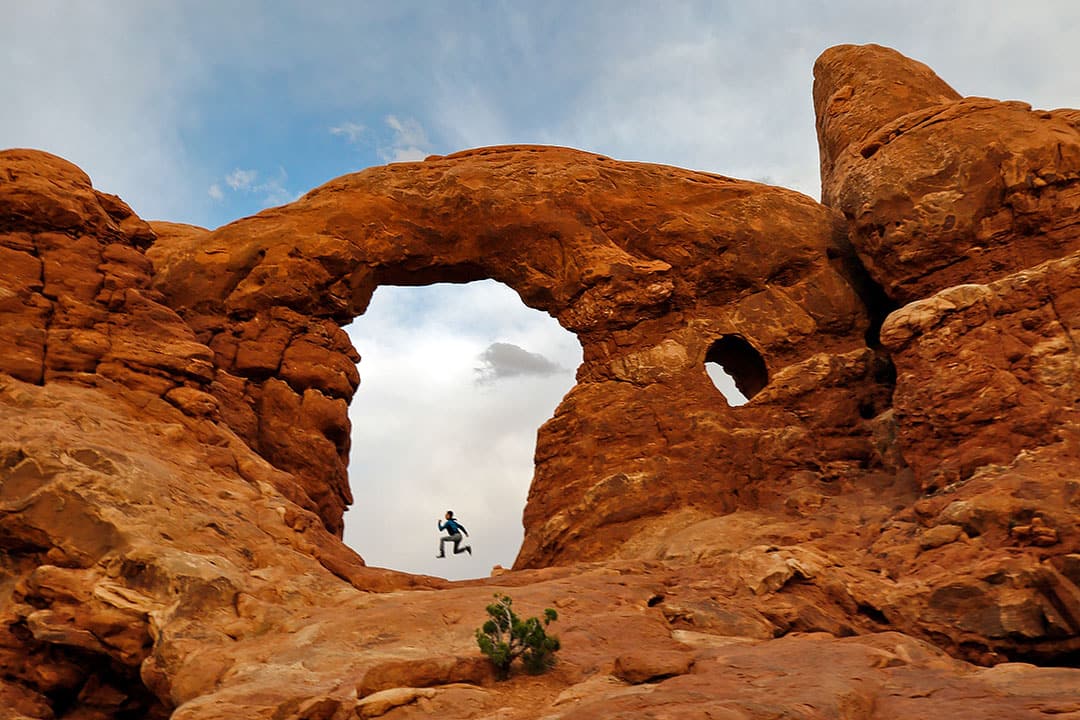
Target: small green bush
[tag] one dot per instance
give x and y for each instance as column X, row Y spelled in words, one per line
column 506, row 636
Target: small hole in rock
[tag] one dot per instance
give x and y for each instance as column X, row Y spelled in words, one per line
column 725, row 384
column 873, row 614
column 736, row 368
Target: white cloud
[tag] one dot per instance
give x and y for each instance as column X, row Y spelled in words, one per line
column 409, row 143
column 405, row 154
column 104, row 86
column 351, row 131
column 272, row 190
column 407, row 132
column 727, row 87
column 241, row 179
column 215, row 193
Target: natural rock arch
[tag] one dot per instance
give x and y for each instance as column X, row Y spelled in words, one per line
column 615, row 251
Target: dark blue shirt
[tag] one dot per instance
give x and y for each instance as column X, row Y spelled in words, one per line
column 451, row 526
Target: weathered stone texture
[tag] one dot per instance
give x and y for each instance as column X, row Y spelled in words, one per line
column 985, row 371
column 647, row 286
column 77, row 300
column 898, row 500
column 941, row 190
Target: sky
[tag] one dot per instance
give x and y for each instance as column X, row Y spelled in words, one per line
column 205, row 112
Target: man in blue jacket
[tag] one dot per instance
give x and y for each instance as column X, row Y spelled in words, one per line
column 454, row 530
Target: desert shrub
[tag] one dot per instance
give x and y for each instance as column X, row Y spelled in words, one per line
column 505, row 637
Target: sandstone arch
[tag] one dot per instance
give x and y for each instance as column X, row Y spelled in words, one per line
column 615, row 251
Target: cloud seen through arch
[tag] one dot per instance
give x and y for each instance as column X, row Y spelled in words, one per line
column 506, row 360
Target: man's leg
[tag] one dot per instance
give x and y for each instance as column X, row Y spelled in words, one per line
column 457, row 546
column 442, row 548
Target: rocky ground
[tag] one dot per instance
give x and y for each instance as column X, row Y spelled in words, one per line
column 886, row 530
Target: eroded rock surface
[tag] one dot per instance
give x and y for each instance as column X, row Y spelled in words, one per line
column 941, row 190
column 887, row 529
column 649, row 266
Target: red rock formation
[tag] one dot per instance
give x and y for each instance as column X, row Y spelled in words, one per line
column 941, row 190
column 648, row 287
column 986, row 371
column 118, row 481
column 966, row 209
column 173, row 432
column 74, row 272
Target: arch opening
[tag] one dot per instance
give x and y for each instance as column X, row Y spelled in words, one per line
column 455, row 381
column 736, row 368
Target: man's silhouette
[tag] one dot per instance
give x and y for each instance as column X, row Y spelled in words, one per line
column 454, row 530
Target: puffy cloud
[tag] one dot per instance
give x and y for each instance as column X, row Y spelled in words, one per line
column 407, row 131
column 506, row 360
column 406, row 140
column 274, row 190
column 215, row 193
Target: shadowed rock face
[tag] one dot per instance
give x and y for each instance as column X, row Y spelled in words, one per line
column 898, row 498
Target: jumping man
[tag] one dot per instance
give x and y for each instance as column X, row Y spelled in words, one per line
column 454, row 530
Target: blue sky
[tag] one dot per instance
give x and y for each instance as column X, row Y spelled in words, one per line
column 203, row 112
column 161, row 101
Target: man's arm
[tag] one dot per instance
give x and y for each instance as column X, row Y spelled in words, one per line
column 463, row 529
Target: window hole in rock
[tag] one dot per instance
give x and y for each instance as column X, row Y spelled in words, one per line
column 455, row 380
column 736, row 368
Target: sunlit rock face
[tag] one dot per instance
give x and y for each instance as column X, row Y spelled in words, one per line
column 652, row 267
column 902, row 482
column 965, row 210
column 940, row 190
